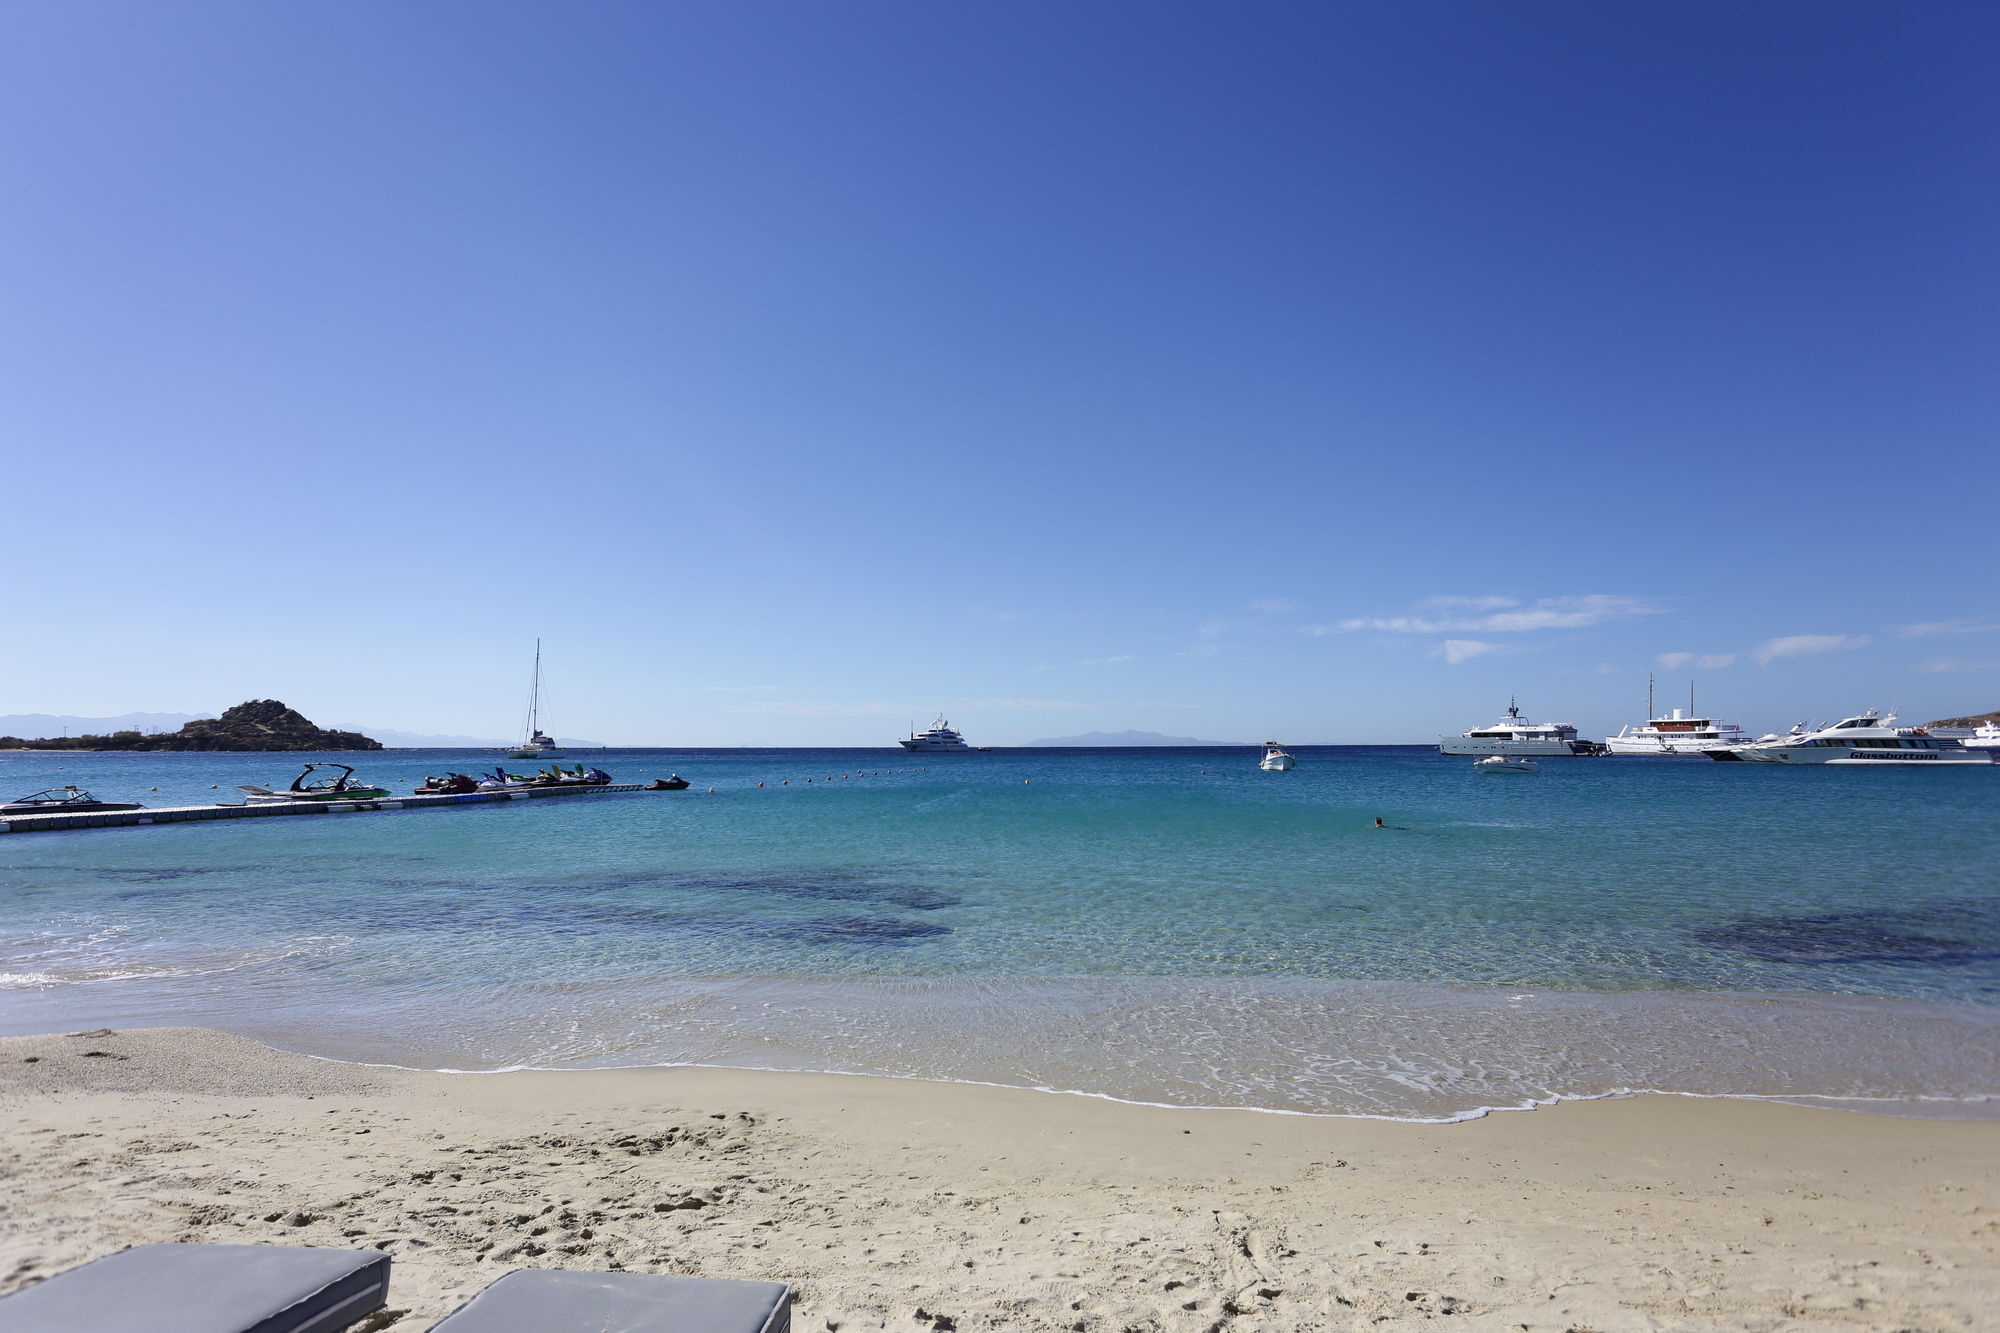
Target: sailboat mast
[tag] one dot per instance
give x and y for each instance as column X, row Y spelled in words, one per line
column 1649, row 695
column 535, row 695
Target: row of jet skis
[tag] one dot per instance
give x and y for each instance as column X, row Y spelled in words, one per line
column 314, row 785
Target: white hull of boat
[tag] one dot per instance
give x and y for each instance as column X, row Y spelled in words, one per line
column 1537, row 748
column 1875, row 758
column 1277, row 763
column 1507, row 764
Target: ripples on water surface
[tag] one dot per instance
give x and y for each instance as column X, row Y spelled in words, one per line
column 1167, row 925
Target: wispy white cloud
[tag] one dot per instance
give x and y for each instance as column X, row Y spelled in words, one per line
column 1200, row 650
column 742, row 689
column 1498, row 615
column 1088, row 662
column 1952, row 627
column 1455, row 651
column 1942, row 664
column 1606, row 669
column 1805, row 645
column 1706, row 661
column 1449, row 603
column 1674, row 661
column 1274, row 605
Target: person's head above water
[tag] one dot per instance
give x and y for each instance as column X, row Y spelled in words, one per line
column 1379, row 823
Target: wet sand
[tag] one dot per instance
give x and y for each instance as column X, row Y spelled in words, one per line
column 914, row 1206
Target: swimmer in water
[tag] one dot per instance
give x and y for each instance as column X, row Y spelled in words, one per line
column 1379, row 823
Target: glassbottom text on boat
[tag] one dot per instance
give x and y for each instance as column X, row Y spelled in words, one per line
column 1513, row 734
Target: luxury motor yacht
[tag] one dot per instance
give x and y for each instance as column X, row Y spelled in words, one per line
column 940, row 738
column 1676, row 732
column 1867, row 738
column 1276, row 759
column 1513, row 734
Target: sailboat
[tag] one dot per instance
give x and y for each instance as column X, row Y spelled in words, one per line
column 538, row 742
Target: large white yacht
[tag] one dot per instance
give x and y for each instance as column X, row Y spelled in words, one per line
column 1679, row 732
column 940, row 737
column 1676, row 732
column 1865, row 738
column 1513, row 734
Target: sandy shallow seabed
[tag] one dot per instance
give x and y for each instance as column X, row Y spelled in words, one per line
column 916, row 1206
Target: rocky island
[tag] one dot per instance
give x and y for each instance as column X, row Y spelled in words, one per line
column 259, row 724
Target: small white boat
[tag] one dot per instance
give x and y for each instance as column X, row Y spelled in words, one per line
column 1506, row 763
column 1276, row 760
column 1985, row 736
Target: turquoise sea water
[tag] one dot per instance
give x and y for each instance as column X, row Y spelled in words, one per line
column 1162, row 925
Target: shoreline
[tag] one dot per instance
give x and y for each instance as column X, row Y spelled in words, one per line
column 913, row 1204
column 1264, row 1048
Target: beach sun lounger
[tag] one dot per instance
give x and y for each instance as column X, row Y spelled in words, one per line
column 205, row 1289
column 556, row 1300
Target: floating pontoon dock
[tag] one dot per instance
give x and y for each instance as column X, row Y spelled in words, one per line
column 184, row 814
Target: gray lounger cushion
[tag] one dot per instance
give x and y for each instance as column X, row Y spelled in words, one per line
column 555, row 1300
column 205, row 1289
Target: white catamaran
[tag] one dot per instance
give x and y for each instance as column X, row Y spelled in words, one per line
column 538, row 743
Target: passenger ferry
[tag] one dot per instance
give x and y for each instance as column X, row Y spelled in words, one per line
column 1866, row 738
column 1513, row 734
column 938, row 739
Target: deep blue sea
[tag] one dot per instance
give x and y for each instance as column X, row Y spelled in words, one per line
column 1168, row 926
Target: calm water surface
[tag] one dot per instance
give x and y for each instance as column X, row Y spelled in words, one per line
column 1164, row 925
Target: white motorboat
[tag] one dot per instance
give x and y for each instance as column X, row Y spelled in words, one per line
column 1868, row 738
column 1277, row 759
column 1506, row 763
column 1760, row 749
column 1513, row 734
column 538, row 743
column 939, row 739
column 1674, row 733
column 1985, row 736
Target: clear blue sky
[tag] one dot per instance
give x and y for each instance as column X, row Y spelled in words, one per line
column 798, row 370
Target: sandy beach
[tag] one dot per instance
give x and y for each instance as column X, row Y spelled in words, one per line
column 905, row 1205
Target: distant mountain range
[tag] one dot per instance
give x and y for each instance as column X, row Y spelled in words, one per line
column 35, row 726
column 1127, row 738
